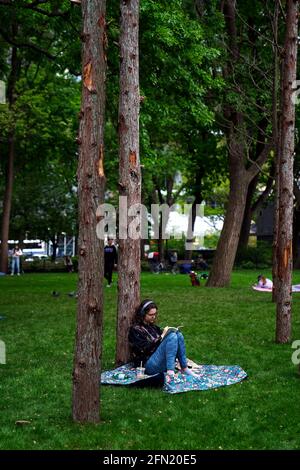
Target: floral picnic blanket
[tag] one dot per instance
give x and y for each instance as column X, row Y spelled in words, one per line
column 206, row 377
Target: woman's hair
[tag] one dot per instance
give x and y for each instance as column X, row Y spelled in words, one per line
column 144, row 307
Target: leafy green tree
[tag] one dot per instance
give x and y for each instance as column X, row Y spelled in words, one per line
column 45, row 154
column 31, row 35
column 245, row 117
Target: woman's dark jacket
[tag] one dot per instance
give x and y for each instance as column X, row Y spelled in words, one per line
column 143, row 340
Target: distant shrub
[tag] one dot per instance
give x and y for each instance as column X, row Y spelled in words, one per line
column 259, row 257
column 75, row 263
column 45, row 265
column 145, row 267
column 178, row 245
column 211, row 240
column 247, row 265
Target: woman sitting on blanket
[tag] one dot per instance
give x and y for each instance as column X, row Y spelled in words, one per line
column 150, row 347
column 264, row 282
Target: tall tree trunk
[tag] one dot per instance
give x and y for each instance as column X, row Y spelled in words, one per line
column 91, row 180
column 276, row 128
column 7, row 201
column 286, row 179
column 239, row 176
column 222, row 266
column 245, row 229
column 130, row 172
column 249, row 206
column 54, row 241
column 251, row 209
column 276, row 215
column 220, row 273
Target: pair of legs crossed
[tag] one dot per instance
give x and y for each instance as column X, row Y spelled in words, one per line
column 164, row 358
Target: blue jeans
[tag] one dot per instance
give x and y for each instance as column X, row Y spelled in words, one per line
column 15, row 265
column 164, row 357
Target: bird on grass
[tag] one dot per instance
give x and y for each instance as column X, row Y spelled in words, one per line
column 73, row 294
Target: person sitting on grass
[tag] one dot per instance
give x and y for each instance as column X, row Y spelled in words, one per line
column 264, row 282
column 152, row 347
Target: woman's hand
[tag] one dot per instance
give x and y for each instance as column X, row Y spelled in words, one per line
column 164, row 332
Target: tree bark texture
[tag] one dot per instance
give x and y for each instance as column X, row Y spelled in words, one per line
column 276, row 124
column 91, row 180
column 252, row 207
column 7, row 200
column 129, row 172
column 286, row 179
column 248, row 213
column 222, row 266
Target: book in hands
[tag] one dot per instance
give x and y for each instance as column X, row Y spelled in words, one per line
column 169, row 329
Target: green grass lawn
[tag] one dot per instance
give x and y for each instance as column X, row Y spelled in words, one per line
column 221, row 326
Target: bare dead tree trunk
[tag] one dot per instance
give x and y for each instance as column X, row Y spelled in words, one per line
column 91, row 180
column 130, row 172
column 286, row 178
column 8, row 193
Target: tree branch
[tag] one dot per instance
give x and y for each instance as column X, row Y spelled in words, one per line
column 257, row 164
column 34, row 6
column 29, row 45
column 262, row 198
column 36, row 3
column 53, row 14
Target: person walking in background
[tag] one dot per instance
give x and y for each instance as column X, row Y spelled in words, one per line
column 15, row 261
column 68, row 264
column 201, row 263
column 173, row 258
column 110, row 260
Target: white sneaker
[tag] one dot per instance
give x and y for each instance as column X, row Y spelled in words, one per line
column 108, row 285
column 18, row 274
column 12, row 274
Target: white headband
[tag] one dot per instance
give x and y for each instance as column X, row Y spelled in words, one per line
column 146, row 305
